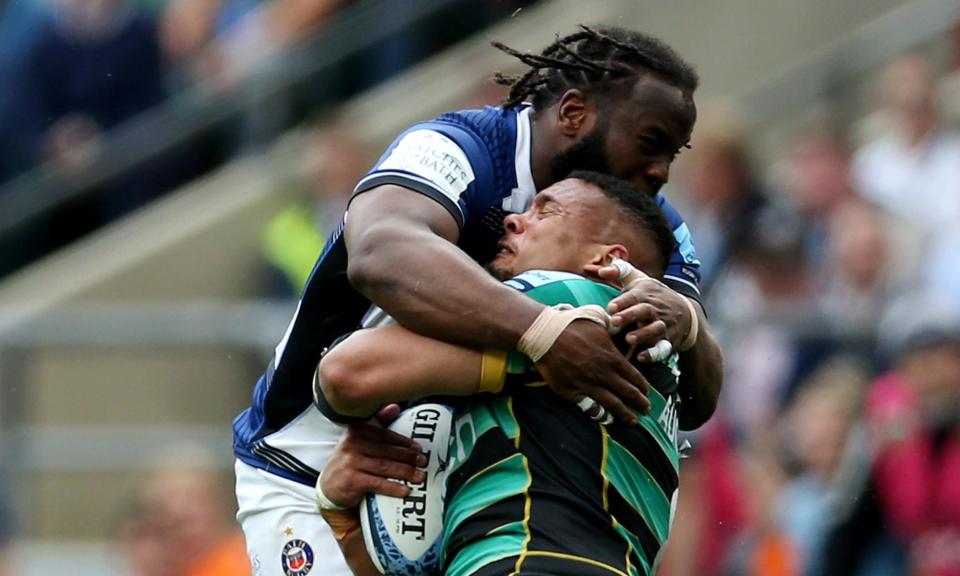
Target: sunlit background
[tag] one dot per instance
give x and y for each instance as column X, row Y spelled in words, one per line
column 170, row 169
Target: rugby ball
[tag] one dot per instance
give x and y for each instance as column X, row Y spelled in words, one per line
column 403, row 535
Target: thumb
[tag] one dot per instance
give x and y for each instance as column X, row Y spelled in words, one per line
column 388, row 414
column 626, row 273
column 606, row 272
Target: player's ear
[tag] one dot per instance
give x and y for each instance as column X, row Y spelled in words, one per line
column 572, row 112
column 615, row 251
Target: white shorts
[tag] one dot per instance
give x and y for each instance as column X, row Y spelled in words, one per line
column 286, row 536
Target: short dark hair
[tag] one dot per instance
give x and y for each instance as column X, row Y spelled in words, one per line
column 593, row 60
column 639, row 207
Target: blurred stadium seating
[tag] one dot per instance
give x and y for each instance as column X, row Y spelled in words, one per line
column 126, row 332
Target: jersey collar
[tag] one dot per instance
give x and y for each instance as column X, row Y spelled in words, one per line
column 521, row 197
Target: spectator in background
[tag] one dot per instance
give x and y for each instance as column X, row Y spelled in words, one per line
column 913, row 169
column 188, row 27
column 19, row 24
column 914, row 417
column 949, row 88
column 817, row 180
column 225, row 40
column 332, row 163
column 858, row 281
column 860, row 254
column 94, row 64
column 181, row 523
column 721, row 190
column 764, row 289
column 823, row 438
column 6, row 534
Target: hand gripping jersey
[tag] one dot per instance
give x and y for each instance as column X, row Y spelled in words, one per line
column 534, row 486
column 476, row 163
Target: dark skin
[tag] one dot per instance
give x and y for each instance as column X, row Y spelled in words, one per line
column 438, row 291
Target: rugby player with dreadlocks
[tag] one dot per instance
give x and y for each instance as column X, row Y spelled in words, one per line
column 605, row 99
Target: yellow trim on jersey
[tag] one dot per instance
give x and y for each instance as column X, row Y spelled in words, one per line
column 527, row 501
column 605, row 443
column 580, row 559
column 493, row 370
column 605, row 439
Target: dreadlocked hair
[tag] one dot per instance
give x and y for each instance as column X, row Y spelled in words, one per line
column 593, row 59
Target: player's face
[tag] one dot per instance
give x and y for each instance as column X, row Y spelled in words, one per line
column 637, row 138
column 560, row 231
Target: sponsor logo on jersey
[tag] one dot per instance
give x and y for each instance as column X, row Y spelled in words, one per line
column 669, row 419
column 433, row 157
column 685, row 244
column 296, row 558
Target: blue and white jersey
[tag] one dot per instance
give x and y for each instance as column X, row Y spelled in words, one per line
column 476, row 164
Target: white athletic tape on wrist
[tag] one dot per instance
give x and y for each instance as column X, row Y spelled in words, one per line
column 543, row 333
column 322, row 501
column 691, row 339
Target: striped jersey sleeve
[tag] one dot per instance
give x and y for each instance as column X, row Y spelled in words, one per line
column 446, row 163
column 683, row 271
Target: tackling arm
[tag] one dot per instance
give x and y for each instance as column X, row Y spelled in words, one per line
column 389, row 364
column 701, row 377
column 403, row 257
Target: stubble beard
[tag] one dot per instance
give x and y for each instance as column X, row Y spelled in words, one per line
column 587, row 154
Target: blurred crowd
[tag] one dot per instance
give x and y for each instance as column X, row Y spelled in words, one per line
column 72, row 70
column 179, row 521
column 74, row 73
column 833, row 284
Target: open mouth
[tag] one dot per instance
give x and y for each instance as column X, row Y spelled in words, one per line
column 504, row 248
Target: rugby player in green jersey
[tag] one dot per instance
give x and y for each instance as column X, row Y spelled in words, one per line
column 534, row 485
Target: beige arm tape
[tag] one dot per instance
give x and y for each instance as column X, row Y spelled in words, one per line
column 543, row 333
column 691, row 339
column 342, row 522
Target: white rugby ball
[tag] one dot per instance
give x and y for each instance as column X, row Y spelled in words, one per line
column 403, row 535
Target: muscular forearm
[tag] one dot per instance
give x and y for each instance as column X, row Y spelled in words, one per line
column 390, row 364
column 418, row 276
column 355, row 553
column 701, row 378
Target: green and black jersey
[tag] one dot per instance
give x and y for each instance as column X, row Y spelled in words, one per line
column 535, row 486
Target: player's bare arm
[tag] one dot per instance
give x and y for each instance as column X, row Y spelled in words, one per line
column 377, row 366
column 437, row 290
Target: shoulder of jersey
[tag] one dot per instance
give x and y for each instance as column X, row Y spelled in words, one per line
column 531, row 279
